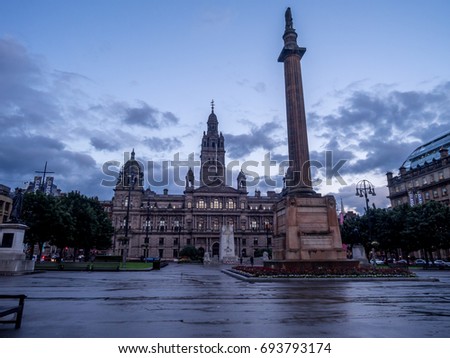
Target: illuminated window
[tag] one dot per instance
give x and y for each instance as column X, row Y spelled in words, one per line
column 216, row 204
column 231, row 204
column 254, row 225
column 201, row 204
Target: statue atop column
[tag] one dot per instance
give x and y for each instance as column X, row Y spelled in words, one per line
column 288, row 16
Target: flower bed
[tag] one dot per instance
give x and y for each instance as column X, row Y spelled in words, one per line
column 326, row 272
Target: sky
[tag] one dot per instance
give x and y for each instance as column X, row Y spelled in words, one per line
column 84, row 82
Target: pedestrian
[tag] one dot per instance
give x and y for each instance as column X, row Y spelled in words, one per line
column 251, row 260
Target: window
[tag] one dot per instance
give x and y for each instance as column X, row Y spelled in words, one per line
column 435, row 194
column 231, row 204
column 244, row 242
column 215, row 224
column 416, row 183
column 176, row 225
column 441, row 176
column 8, row 239
column 425, row 181
column 201, row 204
column 189, row 205
column 175, row 241
column 444, row 192
column 175, row 253
column 188, row 242
column 216, row 204
column 427, row 195
column 242, row 205
column 254, row 225
column 161, row 241
column 255, row 241
column 201, row 225
column 162, row 224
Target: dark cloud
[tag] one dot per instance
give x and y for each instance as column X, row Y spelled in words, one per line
column 24, row 98
column 162, row 144
column 147, row 116
column 376, row 130
column 45, row 116
column 103, row 144
column 241, row 145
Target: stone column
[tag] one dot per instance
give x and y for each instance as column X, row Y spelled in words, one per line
column 298, row 177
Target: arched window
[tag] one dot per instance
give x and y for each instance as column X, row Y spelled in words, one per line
column 231, row 204
column 162, row 224
column 254, row 225
column 201, row 204
column 215, row 224
column 216, row 204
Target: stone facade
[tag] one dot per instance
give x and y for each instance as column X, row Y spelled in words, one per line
column 424, row 176
column 160, row 225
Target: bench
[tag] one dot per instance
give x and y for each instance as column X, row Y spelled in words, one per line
column 17, row 310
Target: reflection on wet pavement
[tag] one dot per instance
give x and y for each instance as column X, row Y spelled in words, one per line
column 198, row 301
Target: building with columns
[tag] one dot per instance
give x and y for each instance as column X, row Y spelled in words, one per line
column 148, row 224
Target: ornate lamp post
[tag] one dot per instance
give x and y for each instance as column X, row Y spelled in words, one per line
column 125, row 239
column 267, row 227
column 147, row 227
column 364, row 188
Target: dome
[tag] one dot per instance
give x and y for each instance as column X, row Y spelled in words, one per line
column 427, row 152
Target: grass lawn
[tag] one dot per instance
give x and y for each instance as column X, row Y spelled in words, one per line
column 137, row 265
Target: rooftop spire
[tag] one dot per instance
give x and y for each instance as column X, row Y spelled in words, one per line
column 212, row 106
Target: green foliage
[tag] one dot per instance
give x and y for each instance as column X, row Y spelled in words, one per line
column 190, row 251
column 421, row 227
column 73, row 220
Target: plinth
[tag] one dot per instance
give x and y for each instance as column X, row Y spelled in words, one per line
column 306, row 234
column 12, row 257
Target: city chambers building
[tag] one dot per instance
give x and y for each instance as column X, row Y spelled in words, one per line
column 423, row 176
column 147, row 224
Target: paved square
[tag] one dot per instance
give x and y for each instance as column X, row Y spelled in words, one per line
column 201, row 301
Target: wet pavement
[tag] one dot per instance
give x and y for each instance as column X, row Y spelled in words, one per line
column 201, row 301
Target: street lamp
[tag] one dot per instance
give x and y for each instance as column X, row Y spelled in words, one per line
column 131, row 182
column 179, row 228
column 365, row 188
column 147, row 227
column 267, row 235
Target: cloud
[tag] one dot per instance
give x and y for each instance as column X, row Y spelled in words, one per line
column 162, row 144
column 48, row 115
column 102, row 144
column 377, row 129
column 147, row 116
column 264, row 136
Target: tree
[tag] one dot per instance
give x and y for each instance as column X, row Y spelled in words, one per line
column 46, row 219
column 429, row 226
column 189, row 251
column 91, row 228
column 70, row 221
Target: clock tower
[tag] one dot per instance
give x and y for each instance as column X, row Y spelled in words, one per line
column 212, row 156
